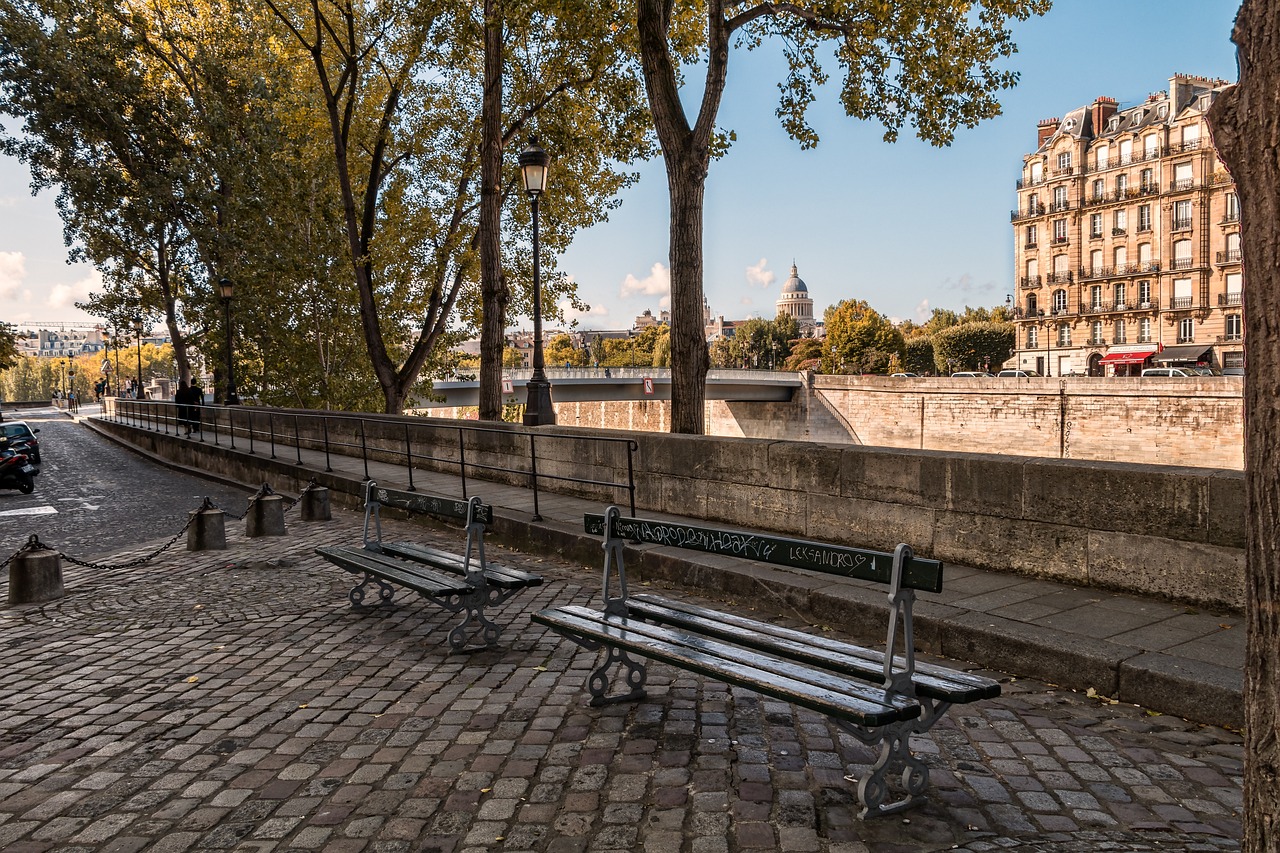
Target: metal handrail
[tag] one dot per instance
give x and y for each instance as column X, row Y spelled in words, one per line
column 143, row 414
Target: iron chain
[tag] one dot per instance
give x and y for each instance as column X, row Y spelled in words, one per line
column 132, row 563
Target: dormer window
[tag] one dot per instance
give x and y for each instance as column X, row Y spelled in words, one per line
column 1163, row 111
column 1069, row 124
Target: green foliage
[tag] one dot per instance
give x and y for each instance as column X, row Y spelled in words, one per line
column 560, row 351
column 917, row 356
column 806, row 354
column 8, row 346
column 859, row 339
column 973, row 346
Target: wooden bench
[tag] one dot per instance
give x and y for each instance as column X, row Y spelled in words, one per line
column 880, row 697
column 460, row 583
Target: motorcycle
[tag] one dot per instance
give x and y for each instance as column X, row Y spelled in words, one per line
column 16, row 470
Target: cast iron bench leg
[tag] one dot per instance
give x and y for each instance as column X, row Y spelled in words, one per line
column 474, row 623
column 895, row 752
column 385, row 591
column 598, row 683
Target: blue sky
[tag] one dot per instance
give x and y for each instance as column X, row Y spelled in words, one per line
column 906, row 226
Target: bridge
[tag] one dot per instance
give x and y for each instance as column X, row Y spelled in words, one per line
column 587, row 384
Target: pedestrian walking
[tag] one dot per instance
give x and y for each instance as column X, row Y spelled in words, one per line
column 184, row 401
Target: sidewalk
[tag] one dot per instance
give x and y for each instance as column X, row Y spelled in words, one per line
column 1149, row 652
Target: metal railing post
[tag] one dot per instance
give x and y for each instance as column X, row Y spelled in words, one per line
column 231, row 426
column 297, row 440
column 328, row 469
column 271, row 430
column 533, row 464
column 249, row 413
column 462, row 463
column 408, row 457
column 364, row 451
column 632, row 446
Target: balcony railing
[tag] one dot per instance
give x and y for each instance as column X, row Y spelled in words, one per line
column 1030, row 211
column 1150, row 266
column 1144, row 227
column 1230, row 338
column 1118, row 232
column 1181, row 264
column 1182, row 184
column 1099, row 341
column 1029, row 281
column 1059, row 311
column 1181, row 225
column 1230, row 256
column 1129, row 269
column 1144, row 339
column 1180, row 302
column 1097, row 272
column 1058, row 206
column 1231, row 216
column 1186, row 339
column 1020, row 184
column 1121, row 306
column 1058, row 241
column 1058, row 278
column 1148, row 189
column 1230, row 298
column 1095, row 235
column 1185, row 146
column 1065, row 172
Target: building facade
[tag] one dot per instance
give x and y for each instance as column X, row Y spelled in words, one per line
column 795, row 302
column 1127, row 240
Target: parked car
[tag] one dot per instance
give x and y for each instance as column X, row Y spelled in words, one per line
column 1206, row 371
column 22, row 438
column 905, row 375
column 1018, row 373
column 1169, row 371
column 971, row 374
column 1233, row 371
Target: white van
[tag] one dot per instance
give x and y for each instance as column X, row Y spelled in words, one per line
column 1169, row 371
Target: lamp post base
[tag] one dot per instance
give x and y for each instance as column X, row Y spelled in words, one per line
column 538, row 410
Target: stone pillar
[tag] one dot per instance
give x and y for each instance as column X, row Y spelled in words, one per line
column 265, row 517
column 315, row 504
column 208, row 530
column 35, row 576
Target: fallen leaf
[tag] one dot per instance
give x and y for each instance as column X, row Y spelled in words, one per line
column 303, row 705
column 193, row 679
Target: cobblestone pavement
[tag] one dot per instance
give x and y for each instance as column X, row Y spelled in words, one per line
column 93, row 497
column 234, row 701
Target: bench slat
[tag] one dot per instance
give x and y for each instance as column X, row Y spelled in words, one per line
column 936, row 682
column 823, row 692
column 425, row 581
column 499, row 576
column 857, row 563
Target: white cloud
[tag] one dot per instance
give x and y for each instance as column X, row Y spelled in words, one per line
column 759, row 276
column 657, row 283
column 966, row 285
column 66, row 295
column 571, row 313
column 746, row 300
column 13, row 269
column 922, row 311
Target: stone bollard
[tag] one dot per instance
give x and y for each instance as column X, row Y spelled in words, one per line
column 208, row 530
column 265, row 517
column 35, row 576
column 315, row 504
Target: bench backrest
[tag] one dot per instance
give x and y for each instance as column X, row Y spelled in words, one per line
column 918, row 573
column 472, row 512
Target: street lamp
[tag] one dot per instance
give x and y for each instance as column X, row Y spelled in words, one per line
column 227, row 288
column 64, row 379
column 137, row 328
column 538, row 410
column 115, row 339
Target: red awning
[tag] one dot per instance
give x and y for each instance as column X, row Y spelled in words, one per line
column 1127, row 357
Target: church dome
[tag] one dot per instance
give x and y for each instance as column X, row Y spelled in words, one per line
column 794, row 284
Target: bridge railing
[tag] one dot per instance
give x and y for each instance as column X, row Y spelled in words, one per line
column 495, row 453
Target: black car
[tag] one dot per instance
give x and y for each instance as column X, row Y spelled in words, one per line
column 22, row 438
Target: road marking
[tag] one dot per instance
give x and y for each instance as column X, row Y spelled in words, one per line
column 31, row 510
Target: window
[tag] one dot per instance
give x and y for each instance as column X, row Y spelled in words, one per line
column 1060, row 301
column 1233, row 207
column 1099, row 189
column 1233, row 282
column 1181, row 293
column 1181, row 177
column 1144, row 331
column 1064, row 335
column 1151, row 146
column 1103, row 154
column 1095, row 296
column 1121, row 303
column 1235, row 329
column 1182, row 255
column 1181, row 215
column 1095, row 225
column 1122, row 185
column 1191, row 136
column 1146, row 181
column 1122, row 258
column 1033, row 203
column 1064, row 159
column 1095, row 262
column 1186, row 330
column 1037, row 172
column 1031, row 235
column 1144, row 217
column 1126, row 150
column 1121, row 223
column 1060, row 231
column 1033, row 269
column 1060, row 198
column 1233, row 247
column 1032, row 337
column 1031, row 305
column 1144, row 293
column 1144, row 255
column 1095, row 333
column 1121, row 336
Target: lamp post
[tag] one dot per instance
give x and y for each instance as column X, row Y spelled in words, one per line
column 227, row 288
column 64, row 379
column 137, row 328
column 538, row 410
column 115, row 339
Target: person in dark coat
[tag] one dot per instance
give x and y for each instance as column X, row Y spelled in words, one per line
column 183, row 399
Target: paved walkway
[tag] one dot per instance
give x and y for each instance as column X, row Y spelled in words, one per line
column 232, row 700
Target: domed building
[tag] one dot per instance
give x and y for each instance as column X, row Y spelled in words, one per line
column 795, row 302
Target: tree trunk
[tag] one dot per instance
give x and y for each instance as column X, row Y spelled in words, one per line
column 689, row 358
column 1245, row 122
column 493, row 284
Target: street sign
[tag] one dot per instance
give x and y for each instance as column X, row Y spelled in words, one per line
column 648, row 385
column 506, row 386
